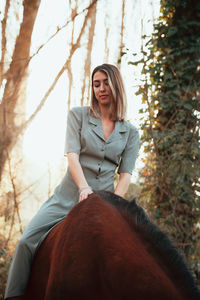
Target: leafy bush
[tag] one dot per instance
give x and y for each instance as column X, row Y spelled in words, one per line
column 171, row 117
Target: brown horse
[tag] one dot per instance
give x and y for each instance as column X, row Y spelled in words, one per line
column 108, row 249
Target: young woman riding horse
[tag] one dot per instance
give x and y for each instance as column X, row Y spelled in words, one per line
column 98, row 141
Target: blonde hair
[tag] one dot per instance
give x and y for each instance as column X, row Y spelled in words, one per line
column 117, row 107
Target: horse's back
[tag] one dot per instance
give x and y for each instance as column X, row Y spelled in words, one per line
column 95, row 254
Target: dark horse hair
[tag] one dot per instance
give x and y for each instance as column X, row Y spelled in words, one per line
column 107, row 248
column 164, row 250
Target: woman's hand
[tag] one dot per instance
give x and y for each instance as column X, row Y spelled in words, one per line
column 78, row 175
column 84, row 193
column 122, row 186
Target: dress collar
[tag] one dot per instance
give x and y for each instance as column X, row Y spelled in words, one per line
column 96, row 123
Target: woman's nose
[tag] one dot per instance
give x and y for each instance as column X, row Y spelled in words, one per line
column 102, row 87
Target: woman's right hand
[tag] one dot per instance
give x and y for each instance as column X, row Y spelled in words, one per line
column 78, row 175
column 84, row 193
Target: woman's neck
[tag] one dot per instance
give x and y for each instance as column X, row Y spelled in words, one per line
column 104, row 112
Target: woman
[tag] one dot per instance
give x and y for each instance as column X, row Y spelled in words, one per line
column 98, row 141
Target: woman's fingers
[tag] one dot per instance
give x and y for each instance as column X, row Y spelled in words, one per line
column 84, row 194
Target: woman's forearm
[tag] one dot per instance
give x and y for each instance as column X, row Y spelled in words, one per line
column 123, row 184
column 80, row 180
column 78, row 175
column 76, row 170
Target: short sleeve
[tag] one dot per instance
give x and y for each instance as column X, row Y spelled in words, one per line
column 73, row 131
column 130, row 152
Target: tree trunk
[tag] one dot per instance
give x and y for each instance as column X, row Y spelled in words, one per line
column 87, row 65
column 12, row 107
column 121, row 34
column 3, row 41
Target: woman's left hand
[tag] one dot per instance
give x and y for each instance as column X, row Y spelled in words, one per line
column 84, row 193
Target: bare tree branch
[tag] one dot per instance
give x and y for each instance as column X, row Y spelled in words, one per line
column 3, row 40
column 65, row 67
column 87, row 65
column 15, row 207
column 51, row 37
column 121, row 32
column 16, row 204
column 14, row 96
column 39, row 107
column 70, row 75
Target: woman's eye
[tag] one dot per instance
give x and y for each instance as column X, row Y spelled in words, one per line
column 96, row 86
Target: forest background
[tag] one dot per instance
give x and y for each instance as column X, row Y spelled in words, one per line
column 47, row 54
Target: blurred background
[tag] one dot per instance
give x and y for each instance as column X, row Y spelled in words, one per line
column 48, row 50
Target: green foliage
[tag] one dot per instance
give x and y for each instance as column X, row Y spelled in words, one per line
column 171, row 94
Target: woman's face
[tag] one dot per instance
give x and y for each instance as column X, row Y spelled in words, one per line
column 102, row 89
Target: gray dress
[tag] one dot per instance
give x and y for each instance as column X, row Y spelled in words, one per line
column 99, row 159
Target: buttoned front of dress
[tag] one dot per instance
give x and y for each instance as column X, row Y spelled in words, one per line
column 98, row 157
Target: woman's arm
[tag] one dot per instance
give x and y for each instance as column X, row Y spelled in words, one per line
column 78, row 175
column 122, row 186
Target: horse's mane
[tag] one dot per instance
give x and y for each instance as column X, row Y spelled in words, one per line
column 157, row 242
